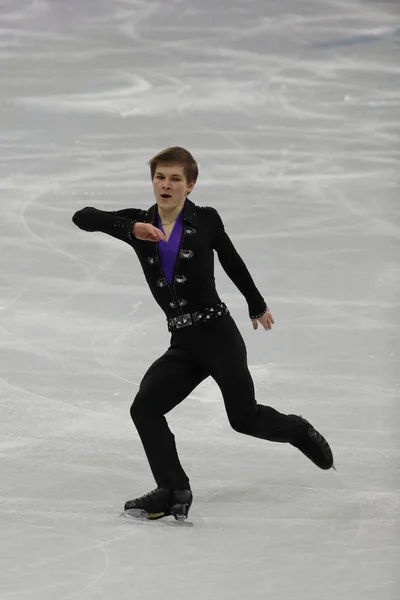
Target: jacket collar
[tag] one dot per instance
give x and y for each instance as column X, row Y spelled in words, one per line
column 189, row 212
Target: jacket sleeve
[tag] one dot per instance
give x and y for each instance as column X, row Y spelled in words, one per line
column 235, row 268
column 117, row 223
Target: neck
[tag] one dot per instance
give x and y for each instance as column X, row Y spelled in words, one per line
column 171, row 215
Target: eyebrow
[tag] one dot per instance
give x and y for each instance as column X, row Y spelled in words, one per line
column 173, row 174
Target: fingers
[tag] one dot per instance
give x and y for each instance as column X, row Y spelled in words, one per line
column 267, row 324
column 266, row 321
column 161, row 235
column 156, row 235
column 269, row 320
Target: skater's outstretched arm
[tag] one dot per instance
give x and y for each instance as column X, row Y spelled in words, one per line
column 118, row 224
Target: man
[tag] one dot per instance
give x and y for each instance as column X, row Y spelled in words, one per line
column 175, row 242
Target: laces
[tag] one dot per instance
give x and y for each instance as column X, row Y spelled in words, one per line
column 149, row 493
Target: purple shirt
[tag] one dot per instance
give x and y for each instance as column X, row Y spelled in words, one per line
column 168, row 251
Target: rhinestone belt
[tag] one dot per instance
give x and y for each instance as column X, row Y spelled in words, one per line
column 207, row 314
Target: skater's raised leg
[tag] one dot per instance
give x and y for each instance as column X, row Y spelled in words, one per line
column 228, row 367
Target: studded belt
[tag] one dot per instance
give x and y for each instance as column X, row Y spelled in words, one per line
column 201, row 316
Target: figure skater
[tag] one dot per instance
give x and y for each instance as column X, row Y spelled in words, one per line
column 175, row 241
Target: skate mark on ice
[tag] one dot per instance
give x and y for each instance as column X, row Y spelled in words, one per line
column 100, row 576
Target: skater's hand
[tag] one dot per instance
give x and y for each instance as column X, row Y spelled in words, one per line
column 266, row 321
column 147, row 232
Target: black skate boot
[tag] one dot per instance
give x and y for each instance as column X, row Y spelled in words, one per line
column 311, row 443
column 181, row 503
column 163, row 502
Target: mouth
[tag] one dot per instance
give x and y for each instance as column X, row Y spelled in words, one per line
column 165, row 196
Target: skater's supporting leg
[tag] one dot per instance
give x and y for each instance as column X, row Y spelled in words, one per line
column 168, row 381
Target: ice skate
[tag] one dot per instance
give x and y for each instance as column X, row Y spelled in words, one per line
column 162, row 502
column 312, row 444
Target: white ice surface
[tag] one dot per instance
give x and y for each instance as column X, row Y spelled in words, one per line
column 292, row 110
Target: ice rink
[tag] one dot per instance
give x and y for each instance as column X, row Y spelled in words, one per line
column 292, row 110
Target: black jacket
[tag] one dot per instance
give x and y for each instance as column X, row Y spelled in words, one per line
column 193, row 286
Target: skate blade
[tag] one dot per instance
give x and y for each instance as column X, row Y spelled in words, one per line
column 134, row 515
column 138, row 513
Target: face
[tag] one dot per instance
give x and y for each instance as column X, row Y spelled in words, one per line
column 170, row 180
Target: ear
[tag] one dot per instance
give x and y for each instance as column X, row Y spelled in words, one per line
column 190, row 187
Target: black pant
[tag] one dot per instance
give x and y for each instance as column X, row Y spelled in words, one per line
column 213, row 348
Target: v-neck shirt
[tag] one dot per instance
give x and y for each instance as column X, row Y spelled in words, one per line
column 168, row 251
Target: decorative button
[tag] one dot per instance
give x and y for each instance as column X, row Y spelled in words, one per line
column 152, row 260
column 186, row 254
column 172, row 304
column 182, row 302
column 162, row 282
column 190, row 230
column 180, row 278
